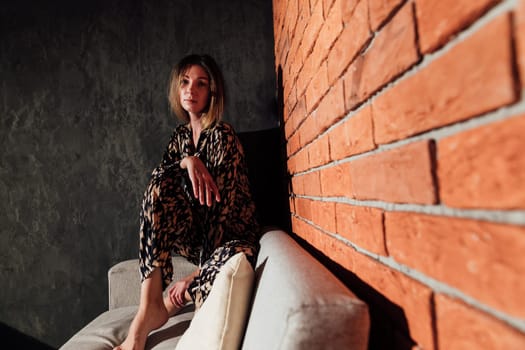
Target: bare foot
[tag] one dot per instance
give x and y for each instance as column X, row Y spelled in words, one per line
column 147, row 319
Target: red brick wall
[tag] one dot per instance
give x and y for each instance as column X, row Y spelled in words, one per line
column 405, row 129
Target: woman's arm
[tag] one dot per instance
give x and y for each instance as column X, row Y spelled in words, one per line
column 204, row 187
column 172, row 155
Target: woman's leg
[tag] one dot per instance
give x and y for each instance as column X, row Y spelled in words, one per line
column 202, row 284
column 151, row 315
column 165, row 224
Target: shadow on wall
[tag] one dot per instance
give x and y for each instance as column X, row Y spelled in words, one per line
column 388, row 323
column 13, row 339
column 267, row 173
column 266, row 157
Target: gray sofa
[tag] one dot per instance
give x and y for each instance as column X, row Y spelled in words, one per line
column 297, row 304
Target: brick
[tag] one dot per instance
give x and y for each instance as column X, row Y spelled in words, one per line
column 304, row 207
column 300, row 112
column 353, row 79
column 297, row 115
column 291, row 165
column 331, row 108
column 401, row 175
column 313, row 236
column 519, row 34
column 470, row 255
column 460, row 326
column 352, row 39
column 292, row 13
column 319, row 152
column 293, row 144
column 313, row 4
column 410, row 296
column 297, row 185
column 290, row 100
column 327, row 5
column 362, row 226
column 472, row 78
column 336, row 181
column 305, row 76
column 332, row 27
column 393, row 50
column 380, row 10
column 353, row 136
column 329, row 246
column 323, row 215
column 313, row 27
column 309, row 233
column 309, row 129
column 296, row 223
column 283, row 48
column 288, row 128
column 312, row 184
column 484, row 167
column 439, row 20
column 317, row 87
column 296, row 59
column 300, row 160
column 339, row 252
column 302, row 20
column 347, row 9
column 288, row 87
column 286, row 109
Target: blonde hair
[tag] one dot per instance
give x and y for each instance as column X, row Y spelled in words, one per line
column 215, row 107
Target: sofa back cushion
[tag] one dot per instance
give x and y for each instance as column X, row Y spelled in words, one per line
column 299, row 304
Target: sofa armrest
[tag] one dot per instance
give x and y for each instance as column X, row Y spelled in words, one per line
column 124, row 280
column 124, row 284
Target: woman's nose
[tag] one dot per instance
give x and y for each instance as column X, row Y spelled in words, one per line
column 192, row 87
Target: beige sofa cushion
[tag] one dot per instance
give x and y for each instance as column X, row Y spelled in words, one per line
column 124, row 280
column 298, row 304
column 219, row 323
column 110, row 329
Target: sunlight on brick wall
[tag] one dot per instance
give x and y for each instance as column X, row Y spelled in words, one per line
column 404, row 123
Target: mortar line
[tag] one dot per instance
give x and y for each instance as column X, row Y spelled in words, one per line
column 513, row 217
column 503, row 113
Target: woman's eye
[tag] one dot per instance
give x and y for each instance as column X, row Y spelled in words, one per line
column 184, row 82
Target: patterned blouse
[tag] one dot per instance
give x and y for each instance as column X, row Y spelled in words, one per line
column 234, row 217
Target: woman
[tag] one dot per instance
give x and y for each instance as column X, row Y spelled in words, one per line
column 197, row 204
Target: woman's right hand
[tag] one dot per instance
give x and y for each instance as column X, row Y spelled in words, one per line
column 177, row 292
column 204, row 187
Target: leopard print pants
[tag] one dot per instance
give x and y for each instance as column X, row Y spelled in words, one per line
column 171, row 221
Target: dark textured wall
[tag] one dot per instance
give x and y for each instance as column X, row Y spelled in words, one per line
column 84, row 119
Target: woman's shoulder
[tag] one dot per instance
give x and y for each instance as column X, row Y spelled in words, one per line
column 222, row 128
column 181, row 129
column 225, row 126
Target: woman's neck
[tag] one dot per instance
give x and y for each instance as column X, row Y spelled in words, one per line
column 196, row 128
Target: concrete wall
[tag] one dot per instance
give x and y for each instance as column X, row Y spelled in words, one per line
column 84, row 119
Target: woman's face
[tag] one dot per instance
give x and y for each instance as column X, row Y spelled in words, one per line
column 194, row 90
